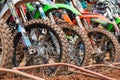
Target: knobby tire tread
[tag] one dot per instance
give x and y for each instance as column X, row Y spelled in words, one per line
column 83, row 35
column 7, row 45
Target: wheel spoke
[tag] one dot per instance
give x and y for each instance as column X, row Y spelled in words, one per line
column 105, row 45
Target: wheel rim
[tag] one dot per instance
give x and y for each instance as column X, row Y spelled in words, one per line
column 47, row 43
column 76, row 47
column 104, row 47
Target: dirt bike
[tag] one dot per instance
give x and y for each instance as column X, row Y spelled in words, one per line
column 95, row 32
column 79, row 46
column 36, row 41
column 110, row 11
column 96, row 36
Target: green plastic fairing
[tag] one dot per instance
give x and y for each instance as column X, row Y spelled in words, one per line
column 111, row 26
column 48, row 8
column 30, row 7
column 117, row 20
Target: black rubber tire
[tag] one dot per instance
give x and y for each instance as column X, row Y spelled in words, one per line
column 83, row 35
column 57, row 30
column 7, row 45
column 112, row 38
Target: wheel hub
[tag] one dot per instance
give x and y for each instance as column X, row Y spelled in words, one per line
column 38, row 49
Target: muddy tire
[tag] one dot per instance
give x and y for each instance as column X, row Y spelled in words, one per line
column 111, row 38
column 83, row 35
column 59, row 34
column 6, row 45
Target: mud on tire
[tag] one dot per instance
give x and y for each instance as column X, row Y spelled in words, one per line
column 83, row 35
column 6, row 44
column 56, row 30
column 112, row 39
